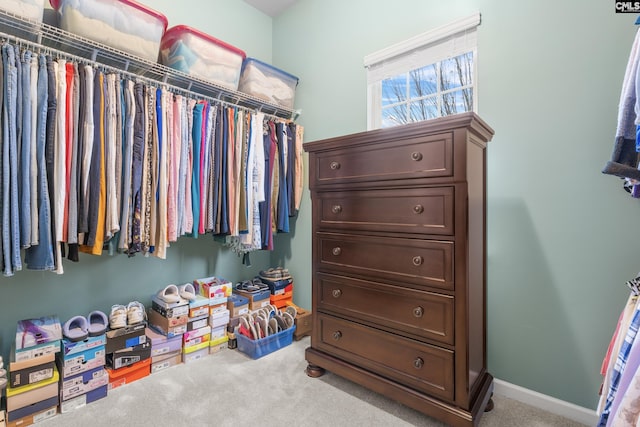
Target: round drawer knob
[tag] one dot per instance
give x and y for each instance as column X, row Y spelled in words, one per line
column 336, row 293
column 418, row 209
column 418, row 312
column 337, row 335
column 417, row 260
column 334, row 166
column 336, row 251
column 416, row 156
column 336, row 209
column 418, row 363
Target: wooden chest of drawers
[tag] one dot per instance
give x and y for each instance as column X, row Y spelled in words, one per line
column 399, row 264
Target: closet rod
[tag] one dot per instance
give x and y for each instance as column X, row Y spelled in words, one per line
column 59, row 42
column 135, row 77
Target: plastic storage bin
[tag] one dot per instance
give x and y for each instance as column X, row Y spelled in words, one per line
column 267, row 82
column 29, row 9
column 258, row 348
column 122, row 24
column 193, row 52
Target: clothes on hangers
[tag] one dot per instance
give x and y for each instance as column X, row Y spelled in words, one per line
column 92, row 159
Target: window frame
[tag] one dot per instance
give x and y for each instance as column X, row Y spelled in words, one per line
column 431, row 47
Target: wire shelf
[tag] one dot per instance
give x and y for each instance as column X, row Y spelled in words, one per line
column 47, row 38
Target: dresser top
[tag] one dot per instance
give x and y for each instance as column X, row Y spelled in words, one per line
column 470, row 121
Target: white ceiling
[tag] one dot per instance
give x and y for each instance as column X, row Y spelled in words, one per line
column 272, row 8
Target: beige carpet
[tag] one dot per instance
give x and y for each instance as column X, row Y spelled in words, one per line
column 230, row 389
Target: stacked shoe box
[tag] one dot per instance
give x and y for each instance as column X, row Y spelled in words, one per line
column 128, row 354
column 165, row 352
column 32, row 392
column 256, row 292
column 238, row 306
column 198, row 332
column 217, row 290
column 83, row 378
column 168, row 316
column 280, row 284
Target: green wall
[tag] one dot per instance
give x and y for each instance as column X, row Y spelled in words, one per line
column 561, row 239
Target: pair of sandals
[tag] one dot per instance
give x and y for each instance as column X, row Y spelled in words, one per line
column 172, row 293
column 277, row 273
column 79, row 328
column 266, row 321
column 130, row 315
column 252, row 286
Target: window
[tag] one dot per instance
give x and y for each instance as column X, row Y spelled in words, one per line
column 428, row 76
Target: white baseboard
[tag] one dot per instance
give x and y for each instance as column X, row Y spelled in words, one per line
column 548, row 403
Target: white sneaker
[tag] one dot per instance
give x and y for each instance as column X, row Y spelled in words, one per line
column 135, row 313
column 118, row 316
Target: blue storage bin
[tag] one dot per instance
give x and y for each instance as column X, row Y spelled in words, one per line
column 258, row 348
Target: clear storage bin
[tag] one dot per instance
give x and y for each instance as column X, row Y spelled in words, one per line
column 121, row 24
column 29, row 9
column 266, row 82
column 198, row 54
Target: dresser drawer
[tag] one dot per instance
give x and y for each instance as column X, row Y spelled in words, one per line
column 415, row 210
column 420, row 157
column 415, row 364
column 423, row 314
column 407, row 261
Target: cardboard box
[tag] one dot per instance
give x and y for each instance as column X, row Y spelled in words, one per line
column 160, row 325
column 34, row 332
column 219, row 332
column 71, row 347
column 30, row 375
column 179, row 305
column 129, row 374
column 213, row 287
column 213, row 349
column 27, row 395
column 219, row 319
column 15, row 365
column 121, row 338
column 303, row 324
column 176, row 311
column 166, row 323
column 161, row 344
column 198, row 323
column 34, row 408
column 218, row 341
column 84, row 399
column 82, row 362
column 190, row 335
column 128, row 356
column 83, row 383
column 237, row 305
column 218, row 305
column 197, row 341
column 196, row 355
column 257, row 299
column 35, row 418
column 39, row 350
column 195, row 348
column 198, row 307
column 166, row 361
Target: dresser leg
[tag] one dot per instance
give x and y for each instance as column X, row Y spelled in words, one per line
column 489, row 406
column 314, row 371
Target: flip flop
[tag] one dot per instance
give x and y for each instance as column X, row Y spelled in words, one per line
column 98, row 323
column 187, row 291
column 75, row 329
column 170, row 294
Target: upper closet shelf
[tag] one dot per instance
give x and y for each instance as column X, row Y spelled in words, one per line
column 53, row 39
